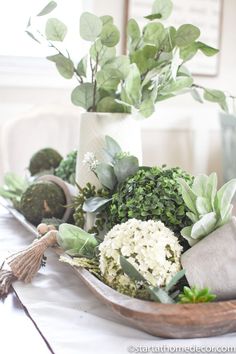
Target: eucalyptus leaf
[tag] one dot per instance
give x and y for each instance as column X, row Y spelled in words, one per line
column 55, row 30
column 214, row 95
column 110, row 35
column 106, row 19
column 32, row 36
column 188, row 52
column 109, row 104
column 186, row 34
column 168, row 44
column 196, row 95
column 163, row 8
column 112, row 147
column 76, row 241
column 154, row 33
column 133, row 85
column 153, row 17
column 142, row 57
column 95, row 204
column 90, row 26
column 147, row 108
column 206, row 49
column 177, row 85
column 107, row 79
column 48, row 8
column 82, row 95
column 64, row 65
column 133, row 29
column 125, row 167
column 106, row 175
column 82, row 66
column 120, row 64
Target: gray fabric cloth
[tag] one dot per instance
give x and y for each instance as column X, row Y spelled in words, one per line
column 212, row 262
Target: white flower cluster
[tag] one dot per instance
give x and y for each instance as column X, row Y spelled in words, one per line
column 149, row 246
column 90, row 160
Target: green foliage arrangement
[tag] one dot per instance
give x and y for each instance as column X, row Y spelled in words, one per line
column 207, row 208
column 152, row 193
column 46, row 159
column 66, row 168
column 195, row 295
column 153, row 70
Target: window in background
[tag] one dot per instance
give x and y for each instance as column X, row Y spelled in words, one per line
column 20, row 55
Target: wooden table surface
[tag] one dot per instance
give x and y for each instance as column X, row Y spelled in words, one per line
column 18, row 333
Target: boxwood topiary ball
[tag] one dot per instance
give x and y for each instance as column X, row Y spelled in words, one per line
column 44, row 160
column 42, row 199
column 152, row 193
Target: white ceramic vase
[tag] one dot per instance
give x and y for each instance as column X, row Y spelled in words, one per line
column 93, row 128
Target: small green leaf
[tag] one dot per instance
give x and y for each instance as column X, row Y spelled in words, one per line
column 133, row 85
column 177, row 85
column 168, row 43
column 106, row 19
column 143, row 57
column 206, row 49
column 112, row 147
column 110, row 35
column 82, row 66
column 48, row 8
column 133, row 29
column 160, row 295
column 90, row 26
column 120, row 64
column 32, row 36
column 109, row 104
column 107, row 79
column 95, row 204
column 162, row 7
column 203, row 205
column 199, row 186
column 106, row 175
column 188, row 52
column 147, row 108
column 214, row 95
column 196, row 95
column 125, row 167
column 55, row 30
column 64, row 65
column 154, row 33
column 82, row 95
column 186, row 34
column 130, row 270
column 153, row 17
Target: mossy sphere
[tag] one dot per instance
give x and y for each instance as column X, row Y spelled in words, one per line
column 44, row 160
column 41, row 200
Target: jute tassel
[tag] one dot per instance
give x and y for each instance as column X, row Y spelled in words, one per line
column 26, row 263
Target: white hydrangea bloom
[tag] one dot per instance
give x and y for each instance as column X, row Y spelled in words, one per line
column 149, row 246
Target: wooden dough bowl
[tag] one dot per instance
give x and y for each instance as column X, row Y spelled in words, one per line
column 169, row 321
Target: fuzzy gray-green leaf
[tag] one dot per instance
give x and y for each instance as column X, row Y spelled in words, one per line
column 204, row 226
column 186, row 34
column 90, row 26
column 82, row 66
column 163, row 8
column 64, row 65
column 82, row 95
column 188, row 196
column 110, row 35
column 55, row 30
column 95, row 204
column 133, row 85
column 225, row 195
column 48, row 8
column 106, row 175
column 130, row 270
column 125, row 167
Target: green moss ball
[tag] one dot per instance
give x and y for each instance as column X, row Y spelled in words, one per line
column 41, row 200
column 152, row 193
column 44, row 160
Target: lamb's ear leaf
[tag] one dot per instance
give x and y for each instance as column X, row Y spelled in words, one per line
column 130, row 270
column 225, row 195
column 188, row 195
column 204, row 226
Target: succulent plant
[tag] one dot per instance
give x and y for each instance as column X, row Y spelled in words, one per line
column 44, row 160
column 66, row 168
column 152, row 193
column 207, row 208
column 194, row 295
column 41, row 200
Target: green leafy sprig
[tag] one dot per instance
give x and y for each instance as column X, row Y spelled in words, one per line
column 208, row 208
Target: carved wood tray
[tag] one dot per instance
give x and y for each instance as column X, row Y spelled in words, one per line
column 162, row 320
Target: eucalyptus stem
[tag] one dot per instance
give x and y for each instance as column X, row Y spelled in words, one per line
column 95, row 84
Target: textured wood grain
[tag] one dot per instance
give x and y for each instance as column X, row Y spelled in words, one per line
column 170, row 321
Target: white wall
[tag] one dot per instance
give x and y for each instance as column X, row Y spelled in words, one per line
column 197, row 151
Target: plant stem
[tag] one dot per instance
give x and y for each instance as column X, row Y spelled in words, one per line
column 95, row 84
column 203, row 88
